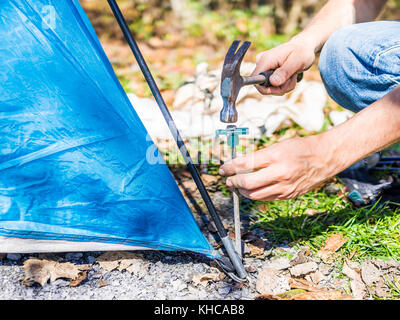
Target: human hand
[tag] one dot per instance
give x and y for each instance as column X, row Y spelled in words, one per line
column 284, row 170
column 288, row 59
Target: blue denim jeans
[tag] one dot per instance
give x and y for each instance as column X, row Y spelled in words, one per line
column 359, row 64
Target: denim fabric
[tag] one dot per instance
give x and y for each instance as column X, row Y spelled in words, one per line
column 359, row 64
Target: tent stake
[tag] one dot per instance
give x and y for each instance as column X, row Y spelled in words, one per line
column 226, row 240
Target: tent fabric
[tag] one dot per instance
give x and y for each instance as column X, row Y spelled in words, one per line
column 76, row 163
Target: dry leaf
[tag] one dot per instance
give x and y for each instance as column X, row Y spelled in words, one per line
column 75, row 282
column 356, row 284
column 254, row 250
column 322, row 295
column 316, row 277
column 101, row 283
column 332, row 244
column 296, row 283
column 268, row 297
column 122, row 260
column 209, row 179
column 41, row 271
column 204, row 279
column 251, row 269
column 303, row 269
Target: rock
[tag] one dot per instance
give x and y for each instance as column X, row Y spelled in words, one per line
column 224, row 290
column 303, row 269
column 271, row 282
column 280, row 263
column 331, row 188
column 338, row 117
column 13, row 256
column 73, row 255
column 91, row 259
column 178, row 285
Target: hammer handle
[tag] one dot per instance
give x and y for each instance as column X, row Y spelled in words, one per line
column 263, row 78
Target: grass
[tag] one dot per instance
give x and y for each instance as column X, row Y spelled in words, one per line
column 372, row 232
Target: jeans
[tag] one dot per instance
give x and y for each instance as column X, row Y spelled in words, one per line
column 359, row 64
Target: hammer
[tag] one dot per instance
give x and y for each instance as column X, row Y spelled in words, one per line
column 232, row 81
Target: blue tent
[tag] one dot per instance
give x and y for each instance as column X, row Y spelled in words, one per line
column 78, row 170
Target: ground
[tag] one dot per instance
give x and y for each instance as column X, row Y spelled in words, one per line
column 316, row 246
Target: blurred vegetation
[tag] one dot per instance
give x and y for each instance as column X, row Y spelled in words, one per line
column 176, row 35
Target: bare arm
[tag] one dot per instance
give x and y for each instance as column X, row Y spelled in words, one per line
column 292, row 167
column 336, row 14
column 299, row 53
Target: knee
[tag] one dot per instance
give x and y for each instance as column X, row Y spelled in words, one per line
column 335, row 58
column 332, row 56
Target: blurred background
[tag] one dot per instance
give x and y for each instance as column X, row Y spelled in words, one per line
column 176, row 35
column 184, row 43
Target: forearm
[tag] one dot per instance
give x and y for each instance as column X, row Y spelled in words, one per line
column 336, row 14
column 370, row 130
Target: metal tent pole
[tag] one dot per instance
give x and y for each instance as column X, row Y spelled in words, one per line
column 226, row 240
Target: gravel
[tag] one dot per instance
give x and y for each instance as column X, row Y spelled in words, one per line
column 169, row 276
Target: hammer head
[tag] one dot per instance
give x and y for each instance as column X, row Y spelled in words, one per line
column 231, row 80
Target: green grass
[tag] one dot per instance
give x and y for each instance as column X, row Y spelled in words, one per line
column 372, row 232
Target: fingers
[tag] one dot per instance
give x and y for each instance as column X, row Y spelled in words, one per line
column 287, row 66
column 249, row 162
column 250, row 181
column 269, row 193
column 280, row 90
column 291, row 66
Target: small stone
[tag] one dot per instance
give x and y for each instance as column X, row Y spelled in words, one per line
column 13, row 256
column 60, row 283
column 91, row 259
column 270, row 282
column 73, row 255
column 280, row 263
column 303, row 269
column 224, row 290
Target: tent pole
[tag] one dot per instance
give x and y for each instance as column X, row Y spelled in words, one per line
column 226, row 240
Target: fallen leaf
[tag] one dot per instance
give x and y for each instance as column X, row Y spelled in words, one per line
column 322, row 295
column 357, row 286
column 41, row 271
column 209, row 179
column 316, row 277
column 123, row 260
column 303, row 290
column 3, row 255
column 251, row 269
column 303, row 269
column 332, row 244
column 75, row 282
column 204, row 279
column 268, row 297
column 254, row 250
column 297, row 283
column 101, row 283
column 291, row 293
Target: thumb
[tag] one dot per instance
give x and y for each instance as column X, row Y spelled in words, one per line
column 285, row 71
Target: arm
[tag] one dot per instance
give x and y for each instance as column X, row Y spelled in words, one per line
column 299, row 53
column 295, row 166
